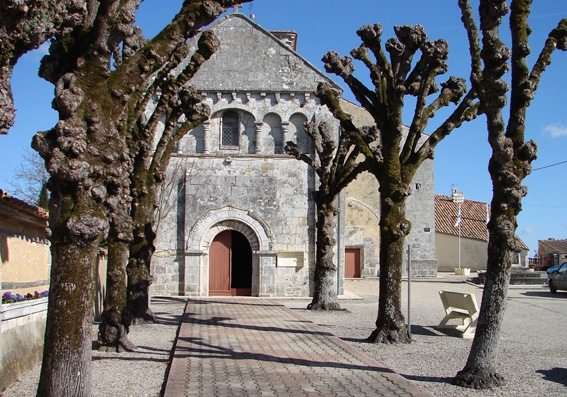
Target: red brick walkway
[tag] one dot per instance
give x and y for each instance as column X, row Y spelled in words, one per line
column 257, row 347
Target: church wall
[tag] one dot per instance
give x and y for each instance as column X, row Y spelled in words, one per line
column 273, row 190
column 251, row 186
column 420, row 211
column 363, row 212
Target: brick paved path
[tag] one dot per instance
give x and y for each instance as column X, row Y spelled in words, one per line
column 257, row 347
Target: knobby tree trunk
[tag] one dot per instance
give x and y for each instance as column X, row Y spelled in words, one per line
column 325, row 277
column 25, row 26
column 509, row 164
column 141, row 251
column 390, row 322
column 116, row 319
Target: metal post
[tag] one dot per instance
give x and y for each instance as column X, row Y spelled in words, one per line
column 409, row 289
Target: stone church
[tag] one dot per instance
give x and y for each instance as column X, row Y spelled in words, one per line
column 236, row 215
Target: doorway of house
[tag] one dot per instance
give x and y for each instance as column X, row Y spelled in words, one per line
column 230, row 265
column 352, row 263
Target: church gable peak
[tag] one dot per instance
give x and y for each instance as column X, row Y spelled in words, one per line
column 252, row 58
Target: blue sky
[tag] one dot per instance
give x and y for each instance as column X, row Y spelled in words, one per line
column 461, row 160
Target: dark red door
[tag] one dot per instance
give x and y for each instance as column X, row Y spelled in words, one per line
column 230, row 265
column 220, row 259
column 352, row 263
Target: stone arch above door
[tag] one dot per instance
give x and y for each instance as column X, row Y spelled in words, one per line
column 215, row 221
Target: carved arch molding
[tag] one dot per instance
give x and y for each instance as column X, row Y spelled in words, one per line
column 229, row 218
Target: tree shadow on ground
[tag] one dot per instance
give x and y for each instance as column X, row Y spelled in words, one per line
column 545, row 294
column 429, row 379
column 557, row 375
column 422, row 330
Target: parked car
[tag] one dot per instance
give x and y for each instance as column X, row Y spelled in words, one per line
column 553, row 269
column 558, row 279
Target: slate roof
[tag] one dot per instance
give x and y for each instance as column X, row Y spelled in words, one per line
column 20, row 205
column 473, row 219
column 556, row 245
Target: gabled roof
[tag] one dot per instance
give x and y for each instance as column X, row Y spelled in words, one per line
column 252, row 58
column 10, row 202
column 474, row 216
column 556, row 245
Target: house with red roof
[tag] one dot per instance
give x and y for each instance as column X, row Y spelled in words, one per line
column 461, row 235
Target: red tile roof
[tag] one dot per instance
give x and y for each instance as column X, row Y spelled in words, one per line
column 9, row 201
column 473, row 218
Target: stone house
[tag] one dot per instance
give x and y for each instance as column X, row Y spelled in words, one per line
column 236, row 215
column 469, row 235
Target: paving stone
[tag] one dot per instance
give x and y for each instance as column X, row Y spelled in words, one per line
column 257, row 347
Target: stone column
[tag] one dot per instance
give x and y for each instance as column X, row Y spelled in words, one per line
column 206, row 130
column 259, row 126
column 285, row 132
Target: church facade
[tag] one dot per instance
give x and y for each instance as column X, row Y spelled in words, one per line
column 236, row 215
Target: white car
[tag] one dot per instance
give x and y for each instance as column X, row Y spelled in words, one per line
column 558, row 279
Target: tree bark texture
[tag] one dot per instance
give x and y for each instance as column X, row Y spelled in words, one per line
column 390, row 323
column 325, row 292
column 66, row 368
column 509, row 164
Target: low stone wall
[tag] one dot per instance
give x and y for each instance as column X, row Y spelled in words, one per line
column 22, row 330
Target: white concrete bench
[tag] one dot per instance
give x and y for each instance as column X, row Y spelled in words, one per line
column 461, row 307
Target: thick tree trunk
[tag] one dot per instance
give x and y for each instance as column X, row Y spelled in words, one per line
column 325, row 292
column 116, row 319
column 390, row 323
column 141, row 251
column 480, row 369
column 66, row 367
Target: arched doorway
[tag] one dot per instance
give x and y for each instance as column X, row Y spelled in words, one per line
column 230, row 265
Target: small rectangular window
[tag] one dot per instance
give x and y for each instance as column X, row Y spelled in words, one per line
column 230, row 129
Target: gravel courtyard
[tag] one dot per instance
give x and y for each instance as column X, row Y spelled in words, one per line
column 532, row 349
column 532, row 357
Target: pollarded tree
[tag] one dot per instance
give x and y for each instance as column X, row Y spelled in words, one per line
column 149, row 172
column 89, row 157
column 25, row 26
column 511, row 158
column 131, row 234
column 337, row 163
column 403, row 149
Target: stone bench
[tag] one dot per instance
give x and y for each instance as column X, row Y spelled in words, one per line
column 462, row 307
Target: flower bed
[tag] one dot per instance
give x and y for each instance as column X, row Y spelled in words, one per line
column 8, row 297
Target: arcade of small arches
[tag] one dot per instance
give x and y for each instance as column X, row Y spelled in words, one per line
column 253, row 125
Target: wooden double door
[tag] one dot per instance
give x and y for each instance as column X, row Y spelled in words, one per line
column 230, row 265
